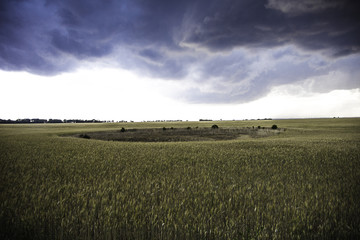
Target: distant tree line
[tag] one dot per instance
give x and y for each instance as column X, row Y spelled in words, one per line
column 37, row 120
column 163, row 121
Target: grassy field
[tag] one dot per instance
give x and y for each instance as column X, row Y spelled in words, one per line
column 303, row 183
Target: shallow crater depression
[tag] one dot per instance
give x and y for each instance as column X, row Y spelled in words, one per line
column 179, row 134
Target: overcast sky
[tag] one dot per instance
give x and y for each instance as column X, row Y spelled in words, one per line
column 190, row 59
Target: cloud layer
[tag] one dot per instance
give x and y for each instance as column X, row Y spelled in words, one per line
column 230, row 51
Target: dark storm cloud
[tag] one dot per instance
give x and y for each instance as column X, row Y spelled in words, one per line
column 170, row 39
column 334, row 26
column 34, row 35
column 23, row 41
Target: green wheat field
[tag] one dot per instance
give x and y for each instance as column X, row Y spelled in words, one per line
column 303, row 183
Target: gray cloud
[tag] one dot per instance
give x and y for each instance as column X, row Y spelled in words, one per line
column 293, row 7
column 244, row 76
column 317, row 26
column 223, row 45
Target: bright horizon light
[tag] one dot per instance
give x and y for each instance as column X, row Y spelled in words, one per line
column 115, row 94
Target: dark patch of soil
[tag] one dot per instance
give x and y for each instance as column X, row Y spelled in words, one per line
column 178, row 134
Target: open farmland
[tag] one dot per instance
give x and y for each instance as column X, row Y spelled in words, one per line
column 303, row 183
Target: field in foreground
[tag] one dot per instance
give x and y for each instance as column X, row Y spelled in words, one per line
column 301, row 184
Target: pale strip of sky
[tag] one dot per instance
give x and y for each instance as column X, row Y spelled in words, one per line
column 115, row 94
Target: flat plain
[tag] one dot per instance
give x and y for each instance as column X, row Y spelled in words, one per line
column 303, row 183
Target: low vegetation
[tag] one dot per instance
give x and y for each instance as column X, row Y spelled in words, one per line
column 179, row 134
column 301, row 184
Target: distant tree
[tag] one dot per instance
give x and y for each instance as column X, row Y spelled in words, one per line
column 214, row 126
column 122, row 129
column 55, row 121
column 259, row 127
column 164, row 128
column 274, row 126
column 188, row 128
